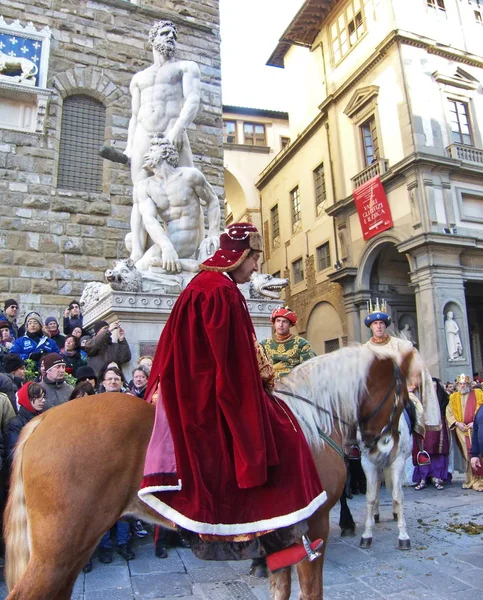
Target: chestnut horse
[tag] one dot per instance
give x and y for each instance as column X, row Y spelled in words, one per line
column 78, row 466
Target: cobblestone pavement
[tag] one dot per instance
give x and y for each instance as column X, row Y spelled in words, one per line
column 442, row 565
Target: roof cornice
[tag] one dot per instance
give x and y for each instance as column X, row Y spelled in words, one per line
column 289, row 151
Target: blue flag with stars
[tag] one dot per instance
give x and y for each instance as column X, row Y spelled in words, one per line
column 24, row 47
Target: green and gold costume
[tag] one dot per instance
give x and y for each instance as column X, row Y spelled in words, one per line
column 288, row 353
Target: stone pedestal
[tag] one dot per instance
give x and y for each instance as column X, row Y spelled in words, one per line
column 143, row 316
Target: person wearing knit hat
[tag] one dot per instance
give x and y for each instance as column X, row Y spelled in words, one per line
column 34, row 343
column 13, row 362
column 10, row 312
column 86, row 373
column 53, row 328
column 206, row 371
column 284, row 349
column 109, row 344
column 13, row 378
column 6, row 340
column 57, row 391
column 98, row 325
column 31, row 401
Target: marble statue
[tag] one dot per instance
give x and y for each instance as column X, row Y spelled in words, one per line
column 175, row 195
column 124, row 277
column 263, row 285
column 406, row 333
column 453, row 340
column 165, row 100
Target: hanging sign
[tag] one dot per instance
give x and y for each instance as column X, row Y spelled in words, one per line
column 372, row 207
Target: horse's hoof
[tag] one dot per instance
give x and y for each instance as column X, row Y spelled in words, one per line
column 348, row 532
column 404, row 544
column 394, row 516
column 261, row 572
column 258, row 568
column 376, row 518
column 366, row 542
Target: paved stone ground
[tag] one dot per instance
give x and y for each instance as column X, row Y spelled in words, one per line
column 442, row 565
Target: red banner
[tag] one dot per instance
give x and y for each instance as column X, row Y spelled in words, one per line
column 372, row 207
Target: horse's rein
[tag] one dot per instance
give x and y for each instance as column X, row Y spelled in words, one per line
column 323, row 435
column 307, row 401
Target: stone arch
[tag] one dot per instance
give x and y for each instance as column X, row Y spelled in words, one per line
column 235, row 195
column 369, row 256
column 250, row 193
column 324, row 325
column 91, row 81
column 384, row 273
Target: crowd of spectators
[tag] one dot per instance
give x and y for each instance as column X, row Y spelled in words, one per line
column 42, row 367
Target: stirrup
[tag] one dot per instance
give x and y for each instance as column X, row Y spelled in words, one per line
column 354, row 452
column 294, row 554
column 423, row 458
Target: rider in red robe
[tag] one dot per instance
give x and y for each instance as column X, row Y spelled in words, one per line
column 225, row 458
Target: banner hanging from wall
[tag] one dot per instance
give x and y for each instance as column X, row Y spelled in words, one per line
column 372, row 207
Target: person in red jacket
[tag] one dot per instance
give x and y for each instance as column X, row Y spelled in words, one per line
column 225, row 460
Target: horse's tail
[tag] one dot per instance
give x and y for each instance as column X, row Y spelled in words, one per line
column 16, row 529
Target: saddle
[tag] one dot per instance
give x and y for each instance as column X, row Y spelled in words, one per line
column 281, row 547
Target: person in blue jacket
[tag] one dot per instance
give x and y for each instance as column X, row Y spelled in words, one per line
column 35, row 343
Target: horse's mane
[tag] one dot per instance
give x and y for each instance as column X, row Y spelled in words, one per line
column 333, row 382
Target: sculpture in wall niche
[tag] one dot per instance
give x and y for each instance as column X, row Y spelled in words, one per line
column 453, row 340
column 18, row 69
column 165, row 100
column 406, row 333
column 174, row 195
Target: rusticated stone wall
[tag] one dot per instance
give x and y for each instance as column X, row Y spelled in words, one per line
column 53, row 241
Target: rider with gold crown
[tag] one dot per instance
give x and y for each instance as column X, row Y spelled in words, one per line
column 285, row 349
column 421, row 392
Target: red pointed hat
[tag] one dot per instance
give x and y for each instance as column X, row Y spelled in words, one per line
column 285, row 312
column 235, row 244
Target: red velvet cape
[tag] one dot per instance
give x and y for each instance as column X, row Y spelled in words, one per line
column 241, row 460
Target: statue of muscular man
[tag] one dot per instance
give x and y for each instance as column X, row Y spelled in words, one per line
column 165, row 100
column 174, row 194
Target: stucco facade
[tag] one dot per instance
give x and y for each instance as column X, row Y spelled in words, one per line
column 245, row 157
column 399, row 97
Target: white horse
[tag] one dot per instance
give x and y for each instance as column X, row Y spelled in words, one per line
column 384, row 463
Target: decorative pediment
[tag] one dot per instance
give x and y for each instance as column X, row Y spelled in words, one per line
column 459, row 78
column 360, row 98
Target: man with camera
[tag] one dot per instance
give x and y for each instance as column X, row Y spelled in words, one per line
column 108, row 345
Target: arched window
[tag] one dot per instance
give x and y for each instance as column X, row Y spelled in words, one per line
column 82, row 133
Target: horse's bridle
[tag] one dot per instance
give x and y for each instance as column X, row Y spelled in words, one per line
column 389, row 427
column 396, row 381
